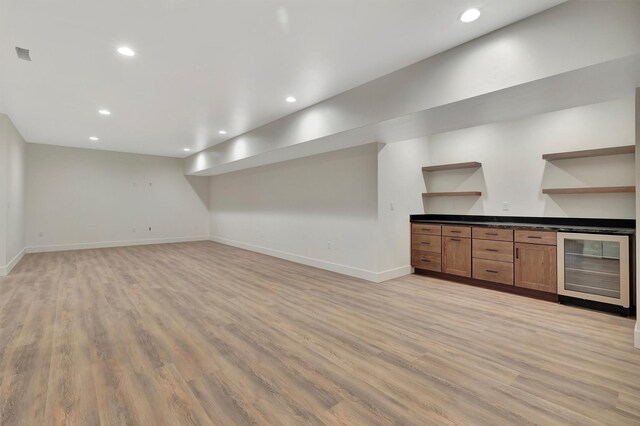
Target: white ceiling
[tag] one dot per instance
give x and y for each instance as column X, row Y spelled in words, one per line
column 206, row 65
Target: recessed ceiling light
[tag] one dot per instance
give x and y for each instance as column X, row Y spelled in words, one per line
column 291, row 99
column 222, row 132
column 104, row 112
column 126, row 51
column 93, row 138
column 470, row 15
column 187, row 149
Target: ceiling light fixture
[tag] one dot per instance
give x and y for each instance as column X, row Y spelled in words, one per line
column 187, row 149
column 222, row 132
column 291, row 99
column 104, row 112
column 93, row 138
column 470, row 15
column 126, row 51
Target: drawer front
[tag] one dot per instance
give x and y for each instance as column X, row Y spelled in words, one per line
column 536, row 237
column 426, row 260
column 493, row 250
column 432, row 243
column 456, row 256
column 493, row 234
column 428, row 229
column 491, row 270
column 456, row 231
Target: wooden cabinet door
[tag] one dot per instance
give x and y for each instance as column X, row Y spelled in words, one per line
column 536, row 267
column 456, row 256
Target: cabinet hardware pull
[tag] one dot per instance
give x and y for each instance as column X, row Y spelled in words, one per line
column 533, row 236
column 491, row 250
column 426, row 260
column 492, row 234
column 455, row 232
column 456, row 239
column 493, row 272
column 517, row 253
column 425, row 243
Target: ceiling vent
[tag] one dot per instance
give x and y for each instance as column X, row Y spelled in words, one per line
column 23, row 53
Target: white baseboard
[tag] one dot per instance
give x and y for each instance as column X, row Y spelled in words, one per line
column 6, row 270
column 108, row 244
column 394, row 273
column 636, row 335
column 376, row 277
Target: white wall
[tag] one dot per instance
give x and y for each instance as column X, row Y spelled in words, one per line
column 295, row 209
column 79, row 198
column 513, row 169
column 12, row 193
column 568, row 37
column 636, row 334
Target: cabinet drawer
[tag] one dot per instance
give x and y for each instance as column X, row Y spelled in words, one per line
column 432, row 243
column 536, row 237
column 493, row 250
column 428, row 229
column 491, row 270
column 493, row 234
column 456, row 256
column 456, row 231
column 426, row 260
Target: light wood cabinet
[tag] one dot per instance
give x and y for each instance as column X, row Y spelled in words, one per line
column 428, row 229
column 493, row 270
column 423, row 242
column 426, row 246
column 495, row 234
column 524, row 259
column 535, row 267
column 426, row 260
column 501, row 251
column 536, row 237
column 456, row 231
column 456, row 256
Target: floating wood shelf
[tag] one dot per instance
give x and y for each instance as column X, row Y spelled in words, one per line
column 452, row 194
column 600, row 152
column 469, row 165
column 590, row 190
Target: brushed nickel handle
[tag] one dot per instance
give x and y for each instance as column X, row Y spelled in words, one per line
column 491, row 271
column 428, row 244
column 455, row 232
column 456, row 239
column 534, row 237
column 491, row 249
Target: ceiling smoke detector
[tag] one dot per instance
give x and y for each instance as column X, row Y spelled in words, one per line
column 23, row 53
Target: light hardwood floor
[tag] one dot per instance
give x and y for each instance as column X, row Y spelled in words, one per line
column 201, row 333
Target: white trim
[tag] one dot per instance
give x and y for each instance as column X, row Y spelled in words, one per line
column 636, row 335
column 376, row 277
column 394, row 273
column 108, row 244
column 6, row 270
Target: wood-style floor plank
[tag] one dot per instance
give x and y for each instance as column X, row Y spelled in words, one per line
column 206, row 334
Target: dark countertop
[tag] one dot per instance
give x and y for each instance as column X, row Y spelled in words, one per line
column 576, row 225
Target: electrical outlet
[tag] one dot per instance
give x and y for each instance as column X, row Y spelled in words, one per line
column 505, row 206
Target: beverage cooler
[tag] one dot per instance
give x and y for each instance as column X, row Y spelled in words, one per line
column 595, row 268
